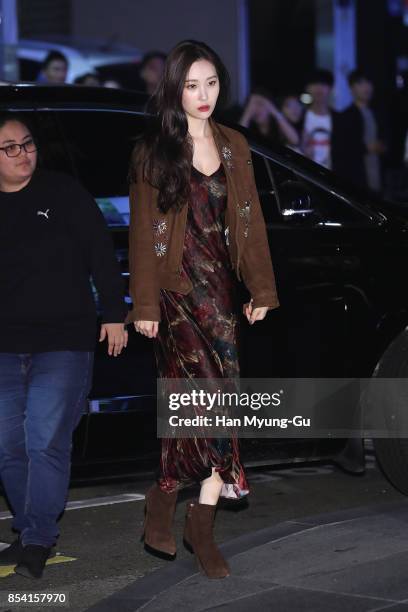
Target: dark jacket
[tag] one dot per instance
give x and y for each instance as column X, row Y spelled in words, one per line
column 53, row 238
column 156, row 239
column 350, row 147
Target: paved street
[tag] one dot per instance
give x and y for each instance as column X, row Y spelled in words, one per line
column 99, row 552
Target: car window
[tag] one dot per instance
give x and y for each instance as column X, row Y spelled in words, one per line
column 265, row 188
column 100, row 145
column 322, row 207
column 127, row 74
column 28, row 69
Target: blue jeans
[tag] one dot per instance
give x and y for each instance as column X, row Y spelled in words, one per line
column 42, row 397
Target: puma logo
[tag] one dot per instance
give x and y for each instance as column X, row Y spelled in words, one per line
column 44, row 214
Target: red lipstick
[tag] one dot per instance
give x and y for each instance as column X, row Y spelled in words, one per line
column 204, row 108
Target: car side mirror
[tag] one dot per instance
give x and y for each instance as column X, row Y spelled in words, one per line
column 295, row 199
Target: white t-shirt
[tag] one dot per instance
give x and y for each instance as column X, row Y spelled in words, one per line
column 317, row 134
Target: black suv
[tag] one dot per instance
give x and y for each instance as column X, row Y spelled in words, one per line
column 340, row 258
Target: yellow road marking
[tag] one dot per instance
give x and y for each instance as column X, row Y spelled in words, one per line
column 8, row 570
column 59, row 559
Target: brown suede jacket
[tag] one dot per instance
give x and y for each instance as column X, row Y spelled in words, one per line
column 156, row 239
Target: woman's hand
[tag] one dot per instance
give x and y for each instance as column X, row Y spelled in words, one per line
column 147, row 328
column 117, row 337
column 254, row 314
column 256, row 104
column 272, row 109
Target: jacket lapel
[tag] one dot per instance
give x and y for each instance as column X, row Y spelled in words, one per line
column 226, row 154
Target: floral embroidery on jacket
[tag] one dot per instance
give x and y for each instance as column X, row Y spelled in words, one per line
column 160, row 249
column 244, row 213
column 159, row 226
column 227, row 155
column 159, row 230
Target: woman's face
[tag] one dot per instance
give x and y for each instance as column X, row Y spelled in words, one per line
column 292, row 109
column 17, row 169
column 201, row 90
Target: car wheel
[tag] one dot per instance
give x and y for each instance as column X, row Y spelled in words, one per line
column 392, row 453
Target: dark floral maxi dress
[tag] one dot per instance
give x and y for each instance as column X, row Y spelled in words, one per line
column 198, row 336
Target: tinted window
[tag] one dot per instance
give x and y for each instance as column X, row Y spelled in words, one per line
column 127, row 74
column 328, row 209
column 100, row 146
column 28, row 69
column 265, row 188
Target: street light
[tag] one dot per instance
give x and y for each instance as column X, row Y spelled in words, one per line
column 8, row 40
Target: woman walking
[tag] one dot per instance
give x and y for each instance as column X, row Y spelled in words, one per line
column 195, row 218
column 52, row 239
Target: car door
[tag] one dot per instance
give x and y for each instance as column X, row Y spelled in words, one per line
column 308, row 227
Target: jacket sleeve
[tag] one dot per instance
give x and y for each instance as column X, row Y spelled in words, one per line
column 143, row 279
column 256, row 264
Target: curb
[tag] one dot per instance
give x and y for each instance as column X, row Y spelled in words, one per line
column 144, row 590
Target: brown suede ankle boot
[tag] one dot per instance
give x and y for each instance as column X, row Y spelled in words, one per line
column 199, row 538
column 159, row 513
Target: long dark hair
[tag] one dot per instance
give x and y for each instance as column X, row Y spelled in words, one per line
column 166, row 152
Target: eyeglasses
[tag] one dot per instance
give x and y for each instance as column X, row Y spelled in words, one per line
column 14, row 150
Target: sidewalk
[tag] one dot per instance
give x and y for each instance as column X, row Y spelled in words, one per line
column 354, row 559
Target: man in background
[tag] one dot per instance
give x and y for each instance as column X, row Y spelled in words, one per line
column 360, row 147
column 54, row 69
column 321, row 121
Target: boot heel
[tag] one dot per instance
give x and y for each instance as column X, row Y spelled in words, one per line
column 142, row 536
column 187, row 537
column 200, row 566
column 188, row 546
column 199, row 539
column 160, row 554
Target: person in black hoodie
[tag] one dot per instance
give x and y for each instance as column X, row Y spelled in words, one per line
column 53, row 238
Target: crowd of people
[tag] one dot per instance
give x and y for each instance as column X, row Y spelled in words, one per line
column 352, row 142
column 54, row 70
